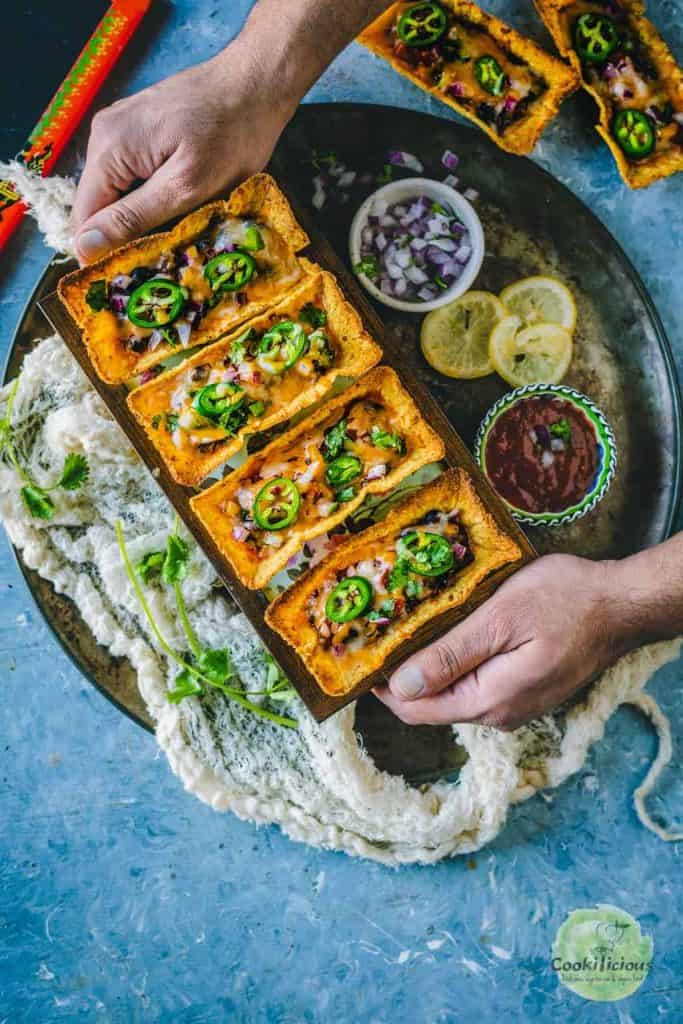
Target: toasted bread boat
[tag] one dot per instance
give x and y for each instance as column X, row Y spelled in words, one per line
column 167, row 292
column 479, row 66
column 639, row 73
column 310, row 479
column 336, row 345
column 343, row 629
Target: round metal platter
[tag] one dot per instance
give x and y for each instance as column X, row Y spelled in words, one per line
column 532, row 225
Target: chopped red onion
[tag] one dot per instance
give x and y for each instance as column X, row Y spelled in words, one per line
column 347, row 179
column 471, row 194
column 459, row 550
column 121, row 282
column 377, row 472
column 678, row 118
column 451, row 180
column 184, row 330
column 449, row 160
column 547, row 459
column 412, row 245
column 384, row 620
column 456, row 89
column 319, row 198
column 426, row 294
column 399, row 158
column 240, row 533
column 557, row 444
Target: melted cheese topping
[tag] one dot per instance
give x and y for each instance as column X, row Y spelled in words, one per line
column 276, row 268
column 457, row 78
column 304, row 462
column 393, row 596
column 274, row 390
column 629, row 80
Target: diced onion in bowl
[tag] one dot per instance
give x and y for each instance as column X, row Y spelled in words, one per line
column 414, row 249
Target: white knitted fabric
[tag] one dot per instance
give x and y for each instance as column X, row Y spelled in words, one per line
column 317, row 782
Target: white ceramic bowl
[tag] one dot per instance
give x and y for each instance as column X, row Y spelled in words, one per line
column 408, row 188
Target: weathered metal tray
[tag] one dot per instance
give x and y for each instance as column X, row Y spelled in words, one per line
column 533, row 224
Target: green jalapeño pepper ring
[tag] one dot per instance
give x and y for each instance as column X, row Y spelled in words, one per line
column 155, row 303
column 281, row 346
column 422, row 24
column 230, row 271
column 595, row 37
column 490, row 75
column 427, row 554
column 348, row 599
column 342, row 470
column 277, row 504
column 635, row 133
column 215, row 400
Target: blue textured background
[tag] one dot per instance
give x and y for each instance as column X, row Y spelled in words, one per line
column 122, row 899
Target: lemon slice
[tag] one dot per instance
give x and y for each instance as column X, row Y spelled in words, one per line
column 541, row 300
column 455, row 338
column 539, row 354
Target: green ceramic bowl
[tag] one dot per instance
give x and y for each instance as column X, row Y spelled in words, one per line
column 607, row 451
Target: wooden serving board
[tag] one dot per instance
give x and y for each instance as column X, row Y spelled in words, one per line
column 253, row 603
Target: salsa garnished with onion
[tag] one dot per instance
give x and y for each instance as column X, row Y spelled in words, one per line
column 542, row 454
column 356, row 606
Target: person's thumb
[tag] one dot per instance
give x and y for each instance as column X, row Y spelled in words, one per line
column 156, row 201
column 452, row 656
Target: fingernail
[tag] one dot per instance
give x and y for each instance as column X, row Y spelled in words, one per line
column 91, row 244
column 408, row 682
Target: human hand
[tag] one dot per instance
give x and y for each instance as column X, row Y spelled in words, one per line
column 186, row 139
column 548, row 629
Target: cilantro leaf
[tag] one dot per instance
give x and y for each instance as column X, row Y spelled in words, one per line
column 368, row 266
column 176, row 561
column 186, row 685
column 384, row 439
column 333, row 443
column 216, row 666
column 171, row 421
column 561, row 429
column 398, row 577
column 313, row 315
column 38, row 503
column 345, row 494
column 75, row 472
column 96, row 296
column 150, row 566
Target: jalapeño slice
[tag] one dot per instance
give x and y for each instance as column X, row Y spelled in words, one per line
column 342, row 470
column 427, row 554
column 281, row 346
column 422, row 24
column 490, row 75
column 230, row 271
column 215, row 400
column 253, row 239
column 277, row 504
column 635, row 133
column 595, row 37
column 348, row 599
column 155, row 303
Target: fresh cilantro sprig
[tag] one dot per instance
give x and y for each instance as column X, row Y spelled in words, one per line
column 208, row 668
column 313, row 315
column 384, row 439
column 333, row 442
column 36, row 499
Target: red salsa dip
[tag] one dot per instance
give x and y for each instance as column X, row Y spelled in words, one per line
column 542, row 454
